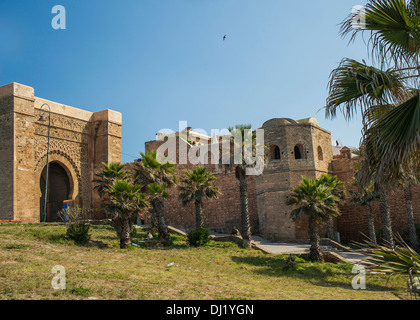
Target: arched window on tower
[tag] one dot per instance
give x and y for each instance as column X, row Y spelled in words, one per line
column 320, row 154
column 276, row 153
column 298, row 151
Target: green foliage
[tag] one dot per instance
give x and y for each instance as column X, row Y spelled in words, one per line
column 198, row 185
column 387, row 96
column 313, row 198
column 80, row 291
column 198, row 237
column 108, row 175
column 292, row 263
column 402, row 259
column 78, row 226
column 78, row 232
column 125, row 198
column 150, row 170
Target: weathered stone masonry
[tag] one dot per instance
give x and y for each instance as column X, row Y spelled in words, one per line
column 79, row 142
column 294, row 149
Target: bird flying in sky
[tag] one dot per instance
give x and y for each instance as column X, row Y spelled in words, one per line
column 224, row 37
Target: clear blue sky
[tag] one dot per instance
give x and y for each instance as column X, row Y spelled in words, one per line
column 160, row 62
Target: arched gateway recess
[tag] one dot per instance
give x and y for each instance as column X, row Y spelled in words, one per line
column 58, row 191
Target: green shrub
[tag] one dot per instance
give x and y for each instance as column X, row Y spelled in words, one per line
column 198, row 237
column 290, row 262
column 78, row 232
column 80, row 291
column 77, row 220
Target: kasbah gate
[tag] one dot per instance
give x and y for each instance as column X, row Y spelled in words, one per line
column 77, row 142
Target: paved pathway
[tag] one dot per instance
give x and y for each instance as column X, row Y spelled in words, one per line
column 295, row 248
column 298, row 248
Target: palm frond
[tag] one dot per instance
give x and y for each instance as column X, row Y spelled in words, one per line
column 356, row 86
column 394, row 30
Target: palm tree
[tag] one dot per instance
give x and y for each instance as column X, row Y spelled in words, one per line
column 337, row 189
column 124, row 201
column 198, row 186
column 149, row 171
column 248, row 161
column 108, row 175
column 364, row 197
column 392, row 138
column 317, row 201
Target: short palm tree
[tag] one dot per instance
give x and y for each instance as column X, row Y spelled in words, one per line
column 198, row 186
column 108, row 175
column 248, row 161
column 124, row 202
column 149, row 171
column 315, row 200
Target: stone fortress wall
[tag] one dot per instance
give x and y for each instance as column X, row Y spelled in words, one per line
column 80, row 141
column 267, row 193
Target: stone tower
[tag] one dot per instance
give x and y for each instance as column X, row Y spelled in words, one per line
column 79, row 142
column 295, row 149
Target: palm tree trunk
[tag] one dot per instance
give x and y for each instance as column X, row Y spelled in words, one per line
column 164, row 235
column 330, row 226
column 123, row 227
column 315, row 253
column 198, row 214
column 386, row 219
column 246, row 227
column 411, row 224
column 371, row 223
column 126, row 229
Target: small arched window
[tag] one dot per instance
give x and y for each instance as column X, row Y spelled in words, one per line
column 298, row 150
column 276, row 153
column 320, row 154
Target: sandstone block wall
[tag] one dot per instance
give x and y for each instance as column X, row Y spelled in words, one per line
column 352, row 222
column 6, row 157
column 79, row 142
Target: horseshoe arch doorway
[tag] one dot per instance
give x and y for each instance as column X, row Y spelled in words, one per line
column 59, row 189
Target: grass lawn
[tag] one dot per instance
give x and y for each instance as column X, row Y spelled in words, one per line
column 100, row 270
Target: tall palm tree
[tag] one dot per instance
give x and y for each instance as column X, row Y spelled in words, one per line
column 123, row 202
column 409, row 175
column 337, row 189
column 198, row 186
column 394, row 40
column 149, row 171
column 382, row 192
column 248, row 161
column 364, row 197
column 317, row 201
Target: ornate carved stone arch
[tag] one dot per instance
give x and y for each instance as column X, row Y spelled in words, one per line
column 68, row 165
